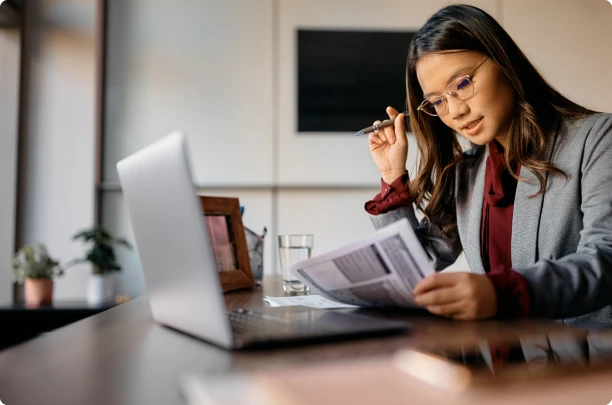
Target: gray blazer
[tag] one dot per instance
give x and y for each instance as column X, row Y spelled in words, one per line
column 561, row 241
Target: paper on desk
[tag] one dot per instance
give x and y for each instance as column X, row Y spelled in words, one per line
column 381, row 269
column 313, row 301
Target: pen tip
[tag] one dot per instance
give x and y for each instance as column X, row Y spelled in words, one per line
column 359, row 133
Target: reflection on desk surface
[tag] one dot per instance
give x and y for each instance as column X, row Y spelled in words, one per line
column 533, row 353
column 532, row 368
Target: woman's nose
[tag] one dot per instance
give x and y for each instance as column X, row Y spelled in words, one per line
column 456, row 108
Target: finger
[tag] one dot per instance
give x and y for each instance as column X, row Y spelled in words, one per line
column 438, row 280
column 391, row 112
column 374, row 139
column 390, row 131
column 439, row 296
column 385, row 132
column 400, row 129
column 453, row 310
column 380, row 132
column 390, row 134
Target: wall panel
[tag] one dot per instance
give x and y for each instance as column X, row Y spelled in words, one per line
column 202, row 66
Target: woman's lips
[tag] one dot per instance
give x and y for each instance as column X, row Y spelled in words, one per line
column 473, row 127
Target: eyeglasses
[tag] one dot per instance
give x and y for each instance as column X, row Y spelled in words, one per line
column 460, row 88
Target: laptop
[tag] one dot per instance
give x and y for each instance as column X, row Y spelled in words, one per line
column 180, row 271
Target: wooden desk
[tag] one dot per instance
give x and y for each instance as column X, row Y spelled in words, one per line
column 122, row 357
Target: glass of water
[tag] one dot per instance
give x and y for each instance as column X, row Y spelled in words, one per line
column 292, row 249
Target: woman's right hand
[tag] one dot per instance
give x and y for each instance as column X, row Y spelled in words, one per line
column 389, row 147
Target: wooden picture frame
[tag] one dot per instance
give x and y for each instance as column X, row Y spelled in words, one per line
column 224, row 224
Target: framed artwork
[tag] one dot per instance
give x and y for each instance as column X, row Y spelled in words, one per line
column 224, row 224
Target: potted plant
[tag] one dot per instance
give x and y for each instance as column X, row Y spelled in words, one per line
column 33, row 266
column 101, row 254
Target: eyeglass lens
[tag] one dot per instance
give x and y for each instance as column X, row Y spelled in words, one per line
column 461, row 89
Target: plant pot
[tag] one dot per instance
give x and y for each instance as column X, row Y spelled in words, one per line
column 101, row 289
column 38, row 292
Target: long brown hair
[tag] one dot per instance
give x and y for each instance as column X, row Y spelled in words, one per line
column 538, row 106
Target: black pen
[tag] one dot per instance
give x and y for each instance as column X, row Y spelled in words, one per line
column 374, row 127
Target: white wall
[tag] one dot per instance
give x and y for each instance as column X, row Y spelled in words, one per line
column 205, row 67
column 10, row 43
column 569, row 41
column 144, row 34
column 59, row 132
column 224, row 72
column 168, row 68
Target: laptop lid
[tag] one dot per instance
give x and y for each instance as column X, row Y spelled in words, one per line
column 173, row 244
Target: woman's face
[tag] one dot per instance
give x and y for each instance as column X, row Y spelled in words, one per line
column 483, row 116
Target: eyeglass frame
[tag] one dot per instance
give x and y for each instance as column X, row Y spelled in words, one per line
column 468, row 77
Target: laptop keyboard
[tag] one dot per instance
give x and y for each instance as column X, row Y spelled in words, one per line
column 254, row 324
column 253, row 328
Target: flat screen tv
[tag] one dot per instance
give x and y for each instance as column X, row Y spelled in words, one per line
column 346, row 79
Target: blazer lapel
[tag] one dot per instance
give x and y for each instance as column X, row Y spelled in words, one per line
column 470, row 212
column 526, row 216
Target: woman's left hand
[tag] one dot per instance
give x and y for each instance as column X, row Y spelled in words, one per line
column 463, row 296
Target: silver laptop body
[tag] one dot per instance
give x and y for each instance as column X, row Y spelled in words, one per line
column 173, row 245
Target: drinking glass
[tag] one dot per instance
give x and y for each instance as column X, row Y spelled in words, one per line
column 292, row 249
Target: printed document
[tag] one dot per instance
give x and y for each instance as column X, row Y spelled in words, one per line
column 379, row 270
column 313, row 301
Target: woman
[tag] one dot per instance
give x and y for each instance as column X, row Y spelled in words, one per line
column 529, row 203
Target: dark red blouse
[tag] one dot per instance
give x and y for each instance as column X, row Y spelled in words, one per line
column 513, row 294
